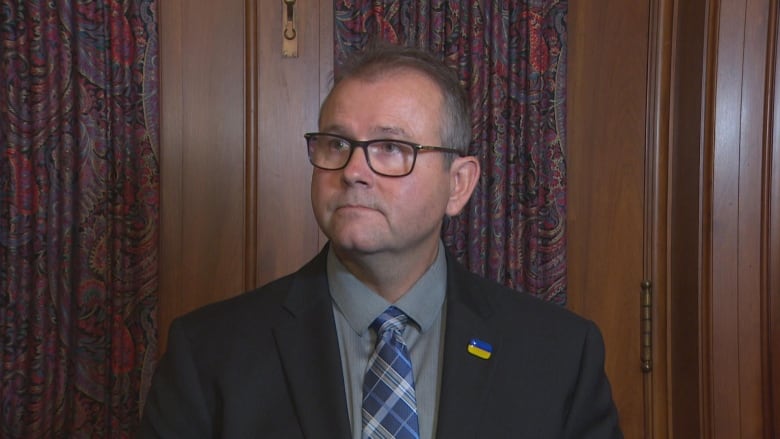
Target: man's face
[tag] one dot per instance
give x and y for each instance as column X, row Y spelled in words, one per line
column 365, row 213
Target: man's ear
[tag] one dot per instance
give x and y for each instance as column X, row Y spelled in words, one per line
column 464, row 174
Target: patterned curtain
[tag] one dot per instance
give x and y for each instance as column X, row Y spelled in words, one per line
column 79, row 206
column 511, row 58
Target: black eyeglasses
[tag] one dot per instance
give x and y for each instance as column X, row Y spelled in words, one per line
column 388, row 157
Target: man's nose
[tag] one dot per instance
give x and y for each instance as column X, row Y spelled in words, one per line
column 357, row 166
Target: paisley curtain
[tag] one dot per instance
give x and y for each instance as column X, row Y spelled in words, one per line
column 79, row 205
column 510, row 56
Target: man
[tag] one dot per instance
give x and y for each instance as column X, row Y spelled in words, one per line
column 384, row 334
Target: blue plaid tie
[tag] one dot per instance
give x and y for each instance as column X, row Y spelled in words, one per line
column 389, row 405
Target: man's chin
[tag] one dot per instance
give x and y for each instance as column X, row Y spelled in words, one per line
column 356, row 236
column 353, row 246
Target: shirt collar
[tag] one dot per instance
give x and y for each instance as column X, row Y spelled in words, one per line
column 360, row 305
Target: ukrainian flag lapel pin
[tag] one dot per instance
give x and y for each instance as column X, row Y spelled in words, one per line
column 480, row 349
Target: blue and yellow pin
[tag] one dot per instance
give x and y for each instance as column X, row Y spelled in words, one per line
column 480, row 349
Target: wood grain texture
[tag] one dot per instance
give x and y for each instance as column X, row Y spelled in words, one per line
column 170, row 166
column 771, row 268
column 235, row 175
column 685, row 183
column 657, row 223
column 606, row 122
column 289, row 95
column 202, row 155
column 733, row 179
column 772, row 265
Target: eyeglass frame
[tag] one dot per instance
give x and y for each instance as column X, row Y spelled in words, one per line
column 354, row 144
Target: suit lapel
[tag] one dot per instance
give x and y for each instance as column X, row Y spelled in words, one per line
column 466, row 378
column 309, row 352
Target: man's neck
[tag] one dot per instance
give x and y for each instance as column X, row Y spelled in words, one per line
column 389, row 274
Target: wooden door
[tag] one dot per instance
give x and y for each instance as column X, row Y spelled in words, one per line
column 611, row 193
column 235, row 176
column 202, row 153
column 672, row 165
column 736, row 202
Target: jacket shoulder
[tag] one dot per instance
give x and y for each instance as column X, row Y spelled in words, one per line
column 509, row 306
column 262, row 307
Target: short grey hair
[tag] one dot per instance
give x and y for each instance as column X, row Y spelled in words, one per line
column 380, row 58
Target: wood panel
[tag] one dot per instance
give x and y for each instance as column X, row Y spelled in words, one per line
column 606, row 117
column 201, row 154
column 656, row 228
column 289, row 95
column 685, row 220
column 720, row 293
column 772, row 267
column 733, row 181
column 235, row 175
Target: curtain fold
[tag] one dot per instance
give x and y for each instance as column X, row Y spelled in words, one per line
column 79, row 213
column 510, row 56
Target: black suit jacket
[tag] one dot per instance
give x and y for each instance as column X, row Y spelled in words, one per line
column 266, row 364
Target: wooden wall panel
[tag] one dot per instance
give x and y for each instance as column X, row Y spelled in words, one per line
column 235, row 175
column 685, row 220
column 720, row 296
column 202, row 154
column 733, row 182
column 606, row 117
column 772, row 266
column 289, row 95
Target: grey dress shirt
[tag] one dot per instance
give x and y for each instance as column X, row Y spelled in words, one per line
column 355, row 306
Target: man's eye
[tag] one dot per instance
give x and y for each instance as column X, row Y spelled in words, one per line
column 338, row 145
column 390, row 147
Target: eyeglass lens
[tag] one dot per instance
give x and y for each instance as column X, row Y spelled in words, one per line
column 386, row 157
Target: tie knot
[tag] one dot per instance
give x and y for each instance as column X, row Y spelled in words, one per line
column 393, row 319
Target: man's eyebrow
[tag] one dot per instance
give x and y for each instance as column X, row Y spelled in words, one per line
column 392, row 131
column 378, row 132
column 335, row 129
